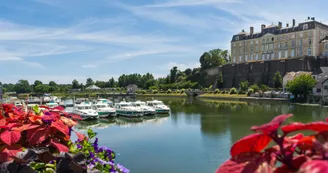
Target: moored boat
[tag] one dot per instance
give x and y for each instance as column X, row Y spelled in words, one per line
column 103, row 108
column 85, row 111
column 126, row 109
column 146, row 110
column 159, row 106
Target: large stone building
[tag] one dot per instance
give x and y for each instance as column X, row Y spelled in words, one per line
column 278, row 42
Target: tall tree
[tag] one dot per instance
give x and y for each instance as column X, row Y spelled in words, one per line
column 188, row 71
column 23, row 86
column 301, row 85
column 214, row 57
column 173, row 74
column 89, row 82
column 36, row 83
column 52, row 86
column 111, row 83
column 220, row 80
column 277, row 80
column 75, row 84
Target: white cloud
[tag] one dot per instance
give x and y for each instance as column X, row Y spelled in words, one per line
column 32, row 64
column 90, row 66
column 10, row 59
column 181, row 66
column 177, row 3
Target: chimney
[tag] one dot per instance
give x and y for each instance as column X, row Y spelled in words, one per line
column 313, row 18
column 293, row 22
column 287, row 25
column 251, row 30
column 308, row 17
column 279, row 24
column 262, row 27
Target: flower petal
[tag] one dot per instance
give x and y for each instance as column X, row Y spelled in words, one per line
column 314, row 126
column 314, row 166
column 250, row 143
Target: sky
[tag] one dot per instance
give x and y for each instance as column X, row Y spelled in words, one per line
column 62, row 40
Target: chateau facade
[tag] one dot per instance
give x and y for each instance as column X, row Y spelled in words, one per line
column 308, row 38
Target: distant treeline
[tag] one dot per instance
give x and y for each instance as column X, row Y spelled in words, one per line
column 177, row 79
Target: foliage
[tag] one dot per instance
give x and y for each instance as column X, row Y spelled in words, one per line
column 241, row 92
column 255, row 87
column 298, row 153
column 250, row 91
column 233, row 91
column 212, row 58
column 75, row 84
column 169, row 91
column 277, row 80
column 155, row 91
column 38, row 140
column 182, row 91
column 264, row 88
column 23, row 86
column 301, row 85
column 243, row 85
column 220, row 80
column 217, row 91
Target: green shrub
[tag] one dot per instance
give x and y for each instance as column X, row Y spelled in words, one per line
column 222, row 92
column 205, row 89
column 243, row 86
column 233, row 91
column 250, row 91
column 241, row 92
column 169, row 91
column 264, row 88
column 216, row 91
column 143, row 92
column 155, row 91
column 182, row 91
column 255, row 88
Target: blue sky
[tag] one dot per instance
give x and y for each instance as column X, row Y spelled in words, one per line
column 62, row 40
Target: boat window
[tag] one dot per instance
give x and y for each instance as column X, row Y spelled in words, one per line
column 87, row 107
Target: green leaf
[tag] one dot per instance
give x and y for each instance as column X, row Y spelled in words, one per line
column 91, row 134
column 36, row 109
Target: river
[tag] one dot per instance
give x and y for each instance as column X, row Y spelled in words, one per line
column 195, row 138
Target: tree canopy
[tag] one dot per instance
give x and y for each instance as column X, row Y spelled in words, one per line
column 277, row 80
column 301, row 85
column 214, row 57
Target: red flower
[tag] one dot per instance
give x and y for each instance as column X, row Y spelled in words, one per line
column 250, row 143
column 273, row 125
column 314, row 126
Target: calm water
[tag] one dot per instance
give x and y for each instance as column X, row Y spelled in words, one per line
column 195, row 138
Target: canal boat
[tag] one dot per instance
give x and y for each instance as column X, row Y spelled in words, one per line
column 85, row 110
column 103, row 108
column 52, row 104
column 126, row 109
column 146, row 110
column 159, row 106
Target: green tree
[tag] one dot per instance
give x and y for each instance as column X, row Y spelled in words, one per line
column 23, row 86
column 173, row 74
column 188, row 71
column 255, row 88
column 75, row 84
column 36, row 83
column 277, row 80
column 243, row 85
column 212, row 58
column 42, row 88
column 52, row 86
column 220, row 80
column 301, row 86
column 111, row 83
column 89, row 82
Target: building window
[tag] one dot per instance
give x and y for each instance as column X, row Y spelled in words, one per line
column 300, row 52
column 257, row 57
column 326, row 45
column 234, row 59
column 272, row 55
column 286, row 54
column 272, row 39
column 292, row 53
column 318, row 90
column 239, row 58
column 301, row 34
column 279, row 45
column 279, row 54
column 246, row 58
column 293, row 43
column 326, row 53
column 257, row 42
column 300, row 42
column 310, row 40
column 263, row 56
column 305, row 26
column 292, row 36
column 263, row 47
column 286, row 44
column 256, row 48
column 310, row 33
column 251, row 57
column 237, row 38
column 268, row 56
column 309, row 52
column 263, row 40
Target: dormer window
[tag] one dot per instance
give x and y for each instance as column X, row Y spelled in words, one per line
column 305, row 26
column 237, row 38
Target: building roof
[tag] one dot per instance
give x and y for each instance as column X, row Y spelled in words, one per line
column 321, row 79
column 312, row 24
column 93, row 87
column 295, row 74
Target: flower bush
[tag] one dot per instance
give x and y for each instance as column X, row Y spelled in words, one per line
column 38, row 140
column 299, row 153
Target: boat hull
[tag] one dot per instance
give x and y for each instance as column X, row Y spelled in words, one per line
column 103, row 114
column 129, row 113
column 162, row 111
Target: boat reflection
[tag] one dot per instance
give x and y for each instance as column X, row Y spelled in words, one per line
column 123, row 122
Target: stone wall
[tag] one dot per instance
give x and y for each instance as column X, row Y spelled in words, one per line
column 262, row 72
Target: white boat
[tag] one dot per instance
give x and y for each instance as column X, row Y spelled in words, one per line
column 18, row 104
column 146, row 110
column 85, row 111
column 159, row 106
column 103, row 108
column 126, row 109
column 52, row 104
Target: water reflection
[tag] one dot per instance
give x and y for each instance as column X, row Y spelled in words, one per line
column 195, row 138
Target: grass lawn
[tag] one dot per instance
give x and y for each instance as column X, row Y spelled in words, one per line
column 224, row 95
